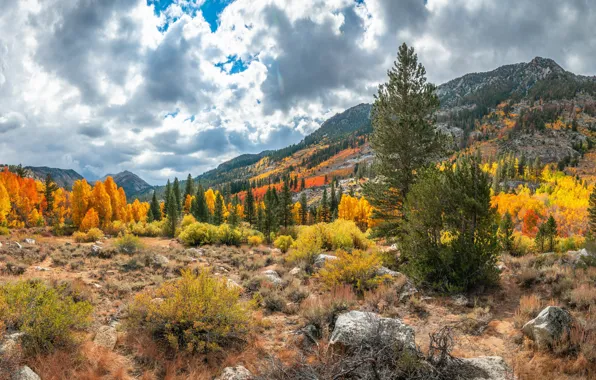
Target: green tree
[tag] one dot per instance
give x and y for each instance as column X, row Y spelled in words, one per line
column 199, row 208
column 324, row 214
column 218, row 212
column 154, row 208
column 540, row 237
column 592, row 213
column 172, row 213
column 177, row 195
column 249, row 206
column 285, row 206
column 551, row 233
column 49, row 188
column 303, row 208
column 333, row 203
column 404, row 138
column 302, row 184
column 189, row 189
column 450, row 230
column 506, row 233
column 167, row 191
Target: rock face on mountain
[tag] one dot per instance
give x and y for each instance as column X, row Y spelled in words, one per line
column 63, row 177
column 130, row 182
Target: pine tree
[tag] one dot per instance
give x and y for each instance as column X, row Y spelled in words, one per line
column 540, row 238
column 49, row 188
column 592, row 213
column 551, row 233
column 154, row 207
column 285, row 206
column 172, row 214
column 303, row 209
column 177, row 195
column 506, row 233
column 167, row 191
column 189, row 189
column 333, row 201
column 199, row 207
column 325, row 215
column 150, row 217
column 302, row 184
column 404, row 138
column 249, row 207
column 218, row 214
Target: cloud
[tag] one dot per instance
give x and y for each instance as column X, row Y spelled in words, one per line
column 92, row 85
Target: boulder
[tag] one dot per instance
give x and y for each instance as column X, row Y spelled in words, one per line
column 19, row 246
column 234, row 285
column 406, row 291
column 356, row 327
column 295, row 271
column 10, row 343
column 549, row 325
column 95, row 249
column 322, row 259
column 25, row 373
column 492, row 368
column 382, row 271
column 235, row 373
column 159, row 260
column 273, row 277
column 42, row 269
column 194, row 252
column 460, row 300
column 29, row 241
column 106, row 336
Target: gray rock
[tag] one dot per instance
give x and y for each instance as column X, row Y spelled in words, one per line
column 235, row 373
column 355, row 327
column 19, row 246
column 159, row 260
column 460, row 300
column 322, row 259
column 0, row 244
column 295, row 271
column 10, row 343
column 273, row 277
column 194, row 252
column 492, row 366
column 234, row 285
column 42, row 269
column 25, row 373
column 29, row 241
column 386, row 271
column 407, row 291
column 95, row 249
column 549, row 325
column 106, row 336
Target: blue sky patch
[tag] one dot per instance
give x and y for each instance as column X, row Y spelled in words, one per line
column 238, row 65
column 172, row 114
column 211, row 10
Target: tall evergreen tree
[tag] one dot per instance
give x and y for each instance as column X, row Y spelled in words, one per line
column 218, row 212
column 270, row 217
column 551, row 233
column 540, row 237
column 302, row 184
column 303, row 209
column 166, row 199
column 199, row 207
column 177, row 195
column 154, row 207
column 506, row 233
column 49, row 188
column 285, row 206
column 249, row 207
column 404, row 138
column 325, row 215
column 172, row 213
column 333, row 201
column 189, row 189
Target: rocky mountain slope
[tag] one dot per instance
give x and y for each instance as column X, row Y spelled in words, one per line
column 130, row 182
column 63, row 177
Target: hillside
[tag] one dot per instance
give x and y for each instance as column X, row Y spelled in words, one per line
column 63, row 177
column 130, row 182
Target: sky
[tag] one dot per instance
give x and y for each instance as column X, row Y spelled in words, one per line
column 167, row 88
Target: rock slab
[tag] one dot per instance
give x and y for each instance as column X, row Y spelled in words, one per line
column 492, row 366
column 106, row 336
column 235, row 373
column 25, row 373
column 548, row 326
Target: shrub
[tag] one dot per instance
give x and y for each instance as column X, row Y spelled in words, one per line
column 187, row 220
column 152, row 229
column 357, row 269
column 94, row 234
column 228, row 235
column 322, row 312
column 312, row 240
column 128, row 243
column 4, row 231
column 284, row 242
column 196, row 313
column 116, row 228
column 254, row 240
column 46, row 315
column 198, row 234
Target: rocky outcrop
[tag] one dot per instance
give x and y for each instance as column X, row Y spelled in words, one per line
column 106, row 336
column 491, row 368
column 549, row 325
column 25, row 373
column 235, row 373
column 322, row 259
column 273, row 277
column 357, row 327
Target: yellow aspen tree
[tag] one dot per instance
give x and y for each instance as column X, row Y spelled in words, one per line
column 101, row 203
column 4, row 204
column 80, row 199
column 296, row 212
column 91, row 220
column 113, row 193
column 188, row 203
column 210, row 200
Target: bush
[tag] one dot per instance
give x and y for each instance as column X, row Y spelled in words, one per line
column 152, row 229
column 116, row 228
column 254, row 240
column 196, row 313
column 128, row 243
column 198, row 234
column 284, row 242
column 228, row 235
column 187, row 220
column 46, row 315
column 4, row 231
column 94, row 234
column 357, row 269
column 312, row 240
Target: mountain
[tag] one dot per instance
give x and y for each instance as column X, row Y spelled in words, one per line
column 63, row 177
column 132, row 184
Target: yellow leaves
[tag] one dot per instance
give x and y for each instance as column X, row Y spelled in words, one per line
column 34, row 219
column 91, row 220
column 210, row 199
column 101, row 202
column 296, row 212
column 357, row 210
column 4, row 203
column 81, row 194
column 358, row 269
column 187, row 203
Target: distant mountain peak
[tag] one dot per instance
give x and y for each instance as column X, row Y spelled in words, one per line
column 546, row 63
column 130, row 182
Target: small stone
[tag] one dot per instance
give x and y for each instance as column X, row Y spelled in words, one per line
column 10, row 343
column 25, row 373
column 235, row 373
column 234, row 285
column 194, row 252
column 160, row 260
column 295, row 271
column 273, row 277
column 492, row 366
column 382, row 271
column 42, row 269
column 106, row 336
column 19, row 246
column 95, row 249
column 460, row 300
column 29, row 241
column 322, row 259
